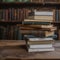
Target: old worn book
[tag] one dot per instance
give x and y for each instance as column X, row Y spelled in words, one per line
column 40, row 46
column 44, row 18
column 43, row 13
column 40, row 42
column 40, row 50
column 38, row 20
column 38, row 33
column 33, row 38
column 27, row 27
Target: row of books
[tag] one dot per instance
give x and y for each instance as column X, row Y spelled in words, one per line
column 33, row 1
column 18, row 14
column 13, row 14
column 10, row 33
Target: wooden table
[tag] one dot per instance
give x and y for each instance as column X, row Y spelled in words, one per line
column 16, row 50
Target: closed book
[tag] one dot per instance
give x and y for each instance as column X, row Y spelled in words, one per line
column 33, row 38
column 40, row 42
column 40, row 46
column 35, row 23
column 37, row 20
column 38, row 33
column 41, row 50
column 43, row 13
column 43, row 18
column 39, row 39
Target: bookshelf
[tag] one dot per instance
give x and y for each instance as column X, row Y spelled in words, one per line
column 23, row 6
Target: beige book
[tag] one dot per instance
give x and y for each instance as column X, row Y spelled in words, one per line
column 44, row 17
column 40, row 42
column 40, row 50
column 46, row 26
column 49, row 33
column 43, row 33
column 36, row 20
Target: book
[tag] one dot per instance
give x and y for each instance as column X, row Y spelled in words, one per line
column 43, row 18
column 35, row 23
column 33, row 38
column 40, row 42
column 41, row 46
column 38, row 33
column 38, row 20
column 41, row 50
column 43, row 13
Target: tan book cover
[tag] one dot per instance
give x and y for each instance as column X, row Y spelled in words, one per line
column 44, row 17
column 40, row 42
column 37, row 20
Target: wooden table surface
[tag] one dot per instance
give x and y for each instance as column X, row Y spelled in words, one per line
column 17, row 50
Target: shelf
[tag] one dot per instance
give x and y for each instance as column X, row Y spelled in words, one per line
column 19, row 22
column 28, row 3
column 10, row 21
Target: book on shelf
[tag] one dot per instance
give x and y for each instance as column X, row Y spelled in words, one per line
column 36, row 1
column 13, row 14
column 57, row 15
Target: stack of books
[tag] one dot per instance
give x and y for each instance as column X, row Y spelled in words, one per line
column 39, row 37
column 41, row 16
column 35, row 44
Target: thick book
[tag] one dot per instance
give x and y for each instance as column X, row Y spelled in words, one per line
column 33, row 38
column 39, row 39
column 44, row 18
column 38, row 33
column 41, row 29
column 40, row 42
column 38, row 20
column 41, row 50
column 36, row 46
column 43, row 13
